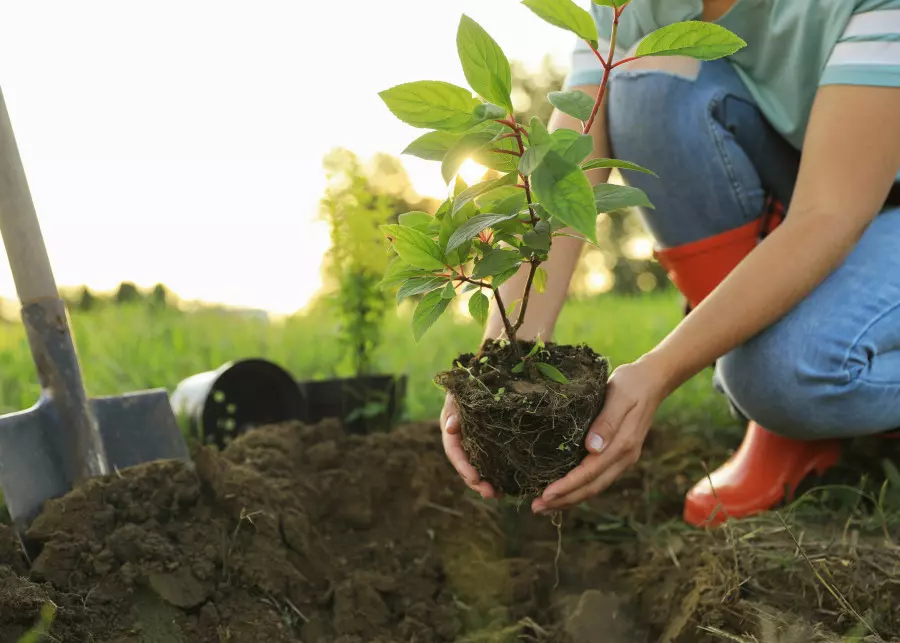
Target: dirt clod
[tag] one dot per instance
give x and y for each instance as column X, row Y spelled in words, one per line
column 521, row 428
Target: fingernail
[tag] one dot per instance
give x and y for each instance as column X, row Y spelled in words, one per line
column 451, row 422
column 550, row 497
column 596, row 442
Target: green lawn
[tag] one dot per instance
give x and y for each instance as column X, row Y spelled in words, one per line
column 133, row 348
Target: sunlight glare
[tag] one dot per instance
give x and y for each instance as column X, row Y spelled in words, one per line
column 472, row 172
column 639, row 248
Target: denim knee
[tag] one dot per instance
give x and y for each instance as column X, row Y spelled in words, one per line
column 789, row 381
column 686, row 130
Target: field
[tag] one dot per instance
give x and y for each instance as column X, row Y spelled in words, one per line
column 306, row 534
column 130, row 348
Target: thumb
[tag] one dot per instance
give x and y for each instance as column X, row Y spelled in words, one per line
column 603, row 430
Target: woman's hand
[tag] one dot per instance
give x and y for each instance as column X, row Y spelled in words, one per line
column 614, row 440
column 452, row 439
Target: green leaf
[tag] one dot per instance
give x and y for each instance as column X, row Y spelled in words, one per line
column 593, row 164
column 472, row 227
column 496, row 261
column 479, row 305
column 532, row 158
column 449, row 292
column 615, row 4
column 450, row 225
column 518, row 368
column 464, row 148
column 483, row 188
column 511, row 226
column 434, row 104
column 430, row 307
column 488, row 112
column 511, row 306
column 540, row 142
column 500, row 162
column 566, row 15
column 538, row 134
column 420, row 221
column 551, row 373
column 574, row 103
column 398, row 271
column 609, row 197
column 418, row 286
column 693, row 38
column 565, row 192
column 414, row 247
column 540, row 280
column 431, row 146
column 503, row 277
column 539, row 237
column 484, row 63
column 571, row 145
column 509, row 200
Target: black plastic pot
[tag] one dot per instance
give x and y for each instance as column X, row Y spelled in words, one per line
column 367, row 404
column 217, row 406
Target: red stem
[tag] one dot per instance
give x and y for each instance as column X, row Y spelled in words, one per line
column 625, row 60
column 510, row 152
column 607, row 67
column 598, row 54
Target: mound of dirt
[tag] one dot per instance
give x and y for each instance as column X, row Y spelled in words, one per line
column 292, row 533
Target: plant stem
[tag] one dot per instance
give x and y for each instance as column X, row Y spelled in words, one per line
column 528, row 284
column 607, row 67
column 510, row 331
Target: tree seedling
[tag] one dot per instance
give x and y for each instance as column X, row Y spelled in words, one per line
column 483, row 234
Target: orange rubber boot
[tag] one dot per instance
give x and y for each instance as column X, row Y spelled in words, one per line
column 767, row 467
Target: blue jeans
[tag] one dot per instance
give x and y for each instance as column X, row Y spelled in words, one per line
column 830, row 368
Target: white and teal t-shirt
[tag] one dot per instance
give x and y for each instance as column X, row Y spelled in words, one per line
column 793, row 47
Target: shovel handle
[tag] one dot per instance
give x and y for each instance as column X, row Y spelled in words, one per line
column 28, row 259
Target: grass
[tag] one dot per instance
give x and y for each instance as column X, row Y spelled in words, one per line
column 827, row 564
column 132, row 348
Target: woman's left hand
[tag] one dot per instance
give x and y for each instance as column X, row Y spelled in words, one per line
column 614, row 440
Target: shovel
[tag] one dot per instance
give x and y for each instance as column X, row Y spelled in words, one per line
column 65, row 437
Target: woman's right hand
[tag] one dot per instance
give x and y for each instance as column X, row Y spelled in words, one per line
column 451, row 432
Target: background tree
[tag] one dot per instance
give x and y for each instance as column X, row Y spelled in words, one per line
column 127, row 293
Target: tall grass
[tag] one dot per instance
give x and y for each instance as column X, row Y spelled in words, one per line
column 130, row 348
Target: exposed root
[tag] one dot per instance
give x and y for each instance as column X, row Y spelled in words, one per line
column 523, row 431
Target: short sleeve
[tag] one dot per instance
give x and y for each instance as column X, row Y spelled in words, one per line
column 868, row 51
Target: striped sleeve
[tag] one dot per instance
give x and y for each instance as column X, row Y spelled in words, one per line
column 868, row 52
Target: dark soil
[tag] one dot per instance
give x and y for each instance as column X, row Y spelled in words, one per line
column 298, row 533
column 523, row 430
column 293, row 533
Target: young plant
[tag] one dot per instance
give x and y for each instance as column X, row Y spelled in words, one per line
column 483, row 234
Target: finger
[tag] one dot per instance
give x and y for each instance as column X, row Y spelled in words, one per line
column 603, row 430
column 591, row 467
column 448, row 410
column 457, row 457
column 600, row 484
column 584, row 474
column 453, row 426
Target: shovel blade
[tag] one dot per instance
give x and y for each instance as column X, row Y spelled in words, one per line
column 135, row 428
column 139, row 427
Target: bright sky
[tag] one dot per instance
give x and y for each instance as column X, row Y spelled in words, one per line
column 181, row 142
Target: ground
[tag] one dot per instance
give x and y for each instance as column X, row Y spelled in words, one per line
column 299, row 533
column 303, row 533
